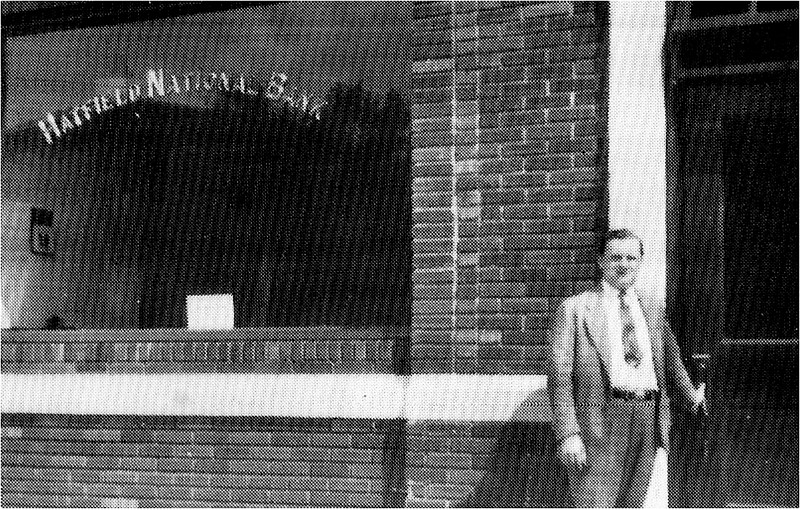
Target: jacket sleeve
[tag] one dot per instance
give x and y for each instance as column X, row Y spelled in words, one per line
column 560, row 362
column 675, row 370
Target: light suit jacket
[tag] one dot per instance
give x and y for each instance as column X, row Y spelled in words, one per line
column 577, row 368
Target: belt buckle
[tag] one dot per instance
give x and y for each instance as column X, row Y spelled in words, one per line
column 624, row 394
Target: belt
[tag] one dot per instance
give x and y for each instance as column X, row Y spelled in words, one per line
column 650, row 395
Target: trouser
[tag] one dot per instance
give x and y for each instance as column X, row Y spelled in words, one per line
column 619, row 465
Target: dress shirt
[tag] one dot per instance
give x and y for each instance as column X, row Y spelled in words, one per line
column 621, row 374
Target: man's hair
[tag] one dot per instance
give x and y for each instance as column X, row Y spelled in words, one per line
column 622, row 233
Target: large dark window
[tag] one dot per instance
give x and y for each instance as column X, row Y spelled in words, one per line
column 261, row 154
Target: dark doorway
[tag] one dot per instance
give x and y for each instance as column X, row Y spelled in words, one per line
column 737, row 288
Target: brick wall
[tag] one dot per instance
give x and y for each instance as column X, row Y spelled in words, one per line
column 82, row 461
column 508, row 192
column 482, row 465
column 509, row 121
column 90, row 461
column 276, row 350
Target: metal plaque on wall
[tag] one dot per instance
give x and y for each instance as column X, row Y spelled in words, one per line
column 41, row 239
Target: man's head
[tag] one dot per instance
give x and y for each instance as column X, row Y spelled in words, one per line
column 620, row 256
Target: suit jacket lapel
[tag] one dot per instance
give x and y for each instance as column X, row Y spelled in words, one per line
column 597, row 327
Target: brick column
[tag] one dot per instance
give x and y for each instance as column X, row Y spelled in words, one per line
column 508, row 194
column 508, row 173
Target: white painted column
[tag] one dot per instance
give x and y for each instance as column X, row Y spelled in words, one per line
column 637, row 133
column 637, row 186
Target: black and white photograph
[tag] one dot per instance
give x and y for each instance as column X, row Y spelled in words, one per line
column 429, row 254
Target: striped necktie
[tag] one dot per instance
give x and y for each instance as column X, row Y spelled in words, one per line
column 632, row 354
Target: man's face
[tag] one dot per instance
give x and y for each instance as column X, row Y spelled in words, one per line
column 620, row 263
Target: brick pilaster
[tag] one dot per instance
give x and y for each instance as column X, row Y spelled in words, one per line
column 508, row 194
column 508, row 177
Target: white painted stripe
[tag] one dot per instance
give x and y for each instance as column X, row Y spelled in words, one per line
column 368, row 396
column 477, row 398
column 217, row 394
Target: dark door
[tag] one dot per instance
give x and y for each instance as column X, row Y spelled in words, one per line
column 736, row 302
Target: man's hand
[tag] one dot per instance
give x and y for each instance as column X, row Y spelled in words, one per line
column 572, row 453
column 700, row 405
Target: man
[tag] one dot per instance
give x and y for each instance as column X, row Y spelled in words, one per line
column 612, row 357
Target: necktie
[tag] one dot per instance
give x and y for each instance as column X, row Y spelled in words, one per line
column 632, row 354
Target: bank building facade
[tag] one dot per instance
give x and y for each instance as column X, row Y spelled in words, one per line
column 307, row 254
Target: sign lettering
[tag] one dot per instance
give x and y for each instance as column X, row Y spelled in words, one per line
column 159, row 84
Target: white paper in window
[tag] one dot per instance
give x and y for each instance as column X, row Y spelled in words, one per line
column 210, row 311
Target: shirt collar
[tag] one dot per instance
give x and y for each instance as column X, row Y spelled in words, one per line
column 611, row 293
